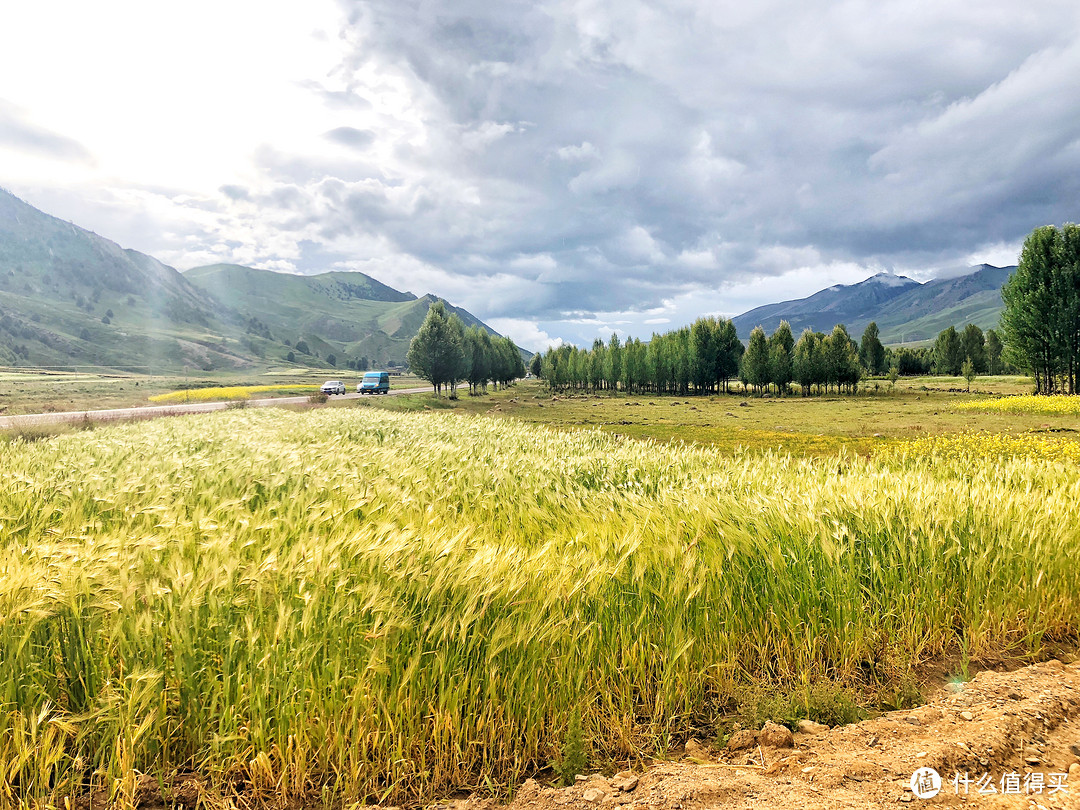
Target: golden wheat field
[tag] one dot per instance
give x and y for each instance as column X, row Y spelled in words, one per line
column 350, row 604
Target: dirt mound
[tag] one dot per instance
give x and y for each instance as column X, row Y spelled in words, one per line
column 1015, row 733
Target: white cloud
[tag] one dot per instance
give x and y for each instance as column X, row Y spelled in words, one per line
column 526, row 334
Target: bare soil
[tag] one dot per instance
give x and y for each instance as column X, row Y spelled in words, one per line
column 1023, row 723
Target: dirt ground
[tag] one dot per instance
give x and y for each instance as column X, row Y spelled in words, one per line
column 1010, row 726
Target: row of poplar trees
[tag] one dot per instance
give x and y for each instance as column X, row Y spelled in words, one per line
column 707, row 356
column 1041, row 319
column 446, row 353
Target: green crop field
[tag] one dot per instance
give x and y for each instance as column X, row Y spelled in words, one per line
column 348, row 604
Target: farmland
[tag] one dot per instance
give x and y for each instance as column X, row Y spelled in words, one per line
column 351, row 604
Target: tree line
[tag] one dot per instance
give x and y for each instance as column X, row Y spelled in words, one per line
column 971, row 351
column 708, row 356
column 445, row 353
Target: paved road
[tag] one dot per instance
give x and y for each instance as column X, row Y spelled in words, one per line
column 150, row 411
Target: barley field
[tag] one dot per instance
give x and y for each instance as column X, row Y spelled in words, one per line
column 346, row 605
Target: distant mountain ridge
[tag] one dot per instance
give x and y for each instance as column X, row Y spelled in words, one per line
column 904, row 309
column 69, row 297
column 350, row 314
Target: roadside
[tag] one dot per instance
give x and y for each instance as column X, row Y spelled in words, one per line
column 153, row 411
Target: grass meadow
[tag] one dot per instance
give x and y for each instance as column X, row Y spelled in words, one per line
column 353, row 604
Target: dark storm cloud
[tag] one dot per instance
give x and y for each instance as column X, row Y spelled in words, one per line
column 19, row 133
column 611, row 155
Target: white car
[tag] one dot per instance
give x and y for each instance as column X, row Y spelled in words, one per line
column 333, row 387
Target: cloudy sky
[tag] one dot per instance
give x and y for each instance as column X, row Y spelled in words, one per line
column 561, row 168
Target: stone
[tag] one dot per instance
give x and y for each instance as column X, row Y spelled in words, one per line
column 774, row 735
column 915, row 721
column 593, row 795
column 625, row 782
column 1074, row 772
column 696, row 749
column 810, row 727
column 967, row 716
column 1075, row 749
column 740, row 740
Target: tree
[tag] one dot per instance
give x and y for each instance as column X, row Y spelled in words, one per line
column 840, row 360
column 548, row 369
column 780, row 345
column 290, row 357
column 967, row 371
column 871, row 351
column 506, row 362
column 1034, row 320
column 705, row 351
column 993, row 351
column 302, row 347
column 613, row 364
column 729, row 353
column 755, row 362
column 535, row 363
column 436, row 354
column 807, row 365
column 478, row 354
column 947, row 356
column 973, row 347
column 331, row 359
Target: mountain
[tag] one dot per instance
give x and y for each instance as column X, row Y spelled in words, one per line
column 348, row 314
column 904, row 309
column 69, row 297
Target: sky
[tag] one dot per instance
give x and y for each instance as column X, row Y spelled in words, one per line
column 563, row 169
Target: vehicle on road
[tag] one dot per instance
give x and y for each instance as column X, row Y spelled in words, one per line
column 333, row 387
column 374, row 382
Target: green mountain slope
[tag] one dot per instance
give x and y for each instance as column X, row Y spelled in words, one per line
column 350, row 315
column 69, row 297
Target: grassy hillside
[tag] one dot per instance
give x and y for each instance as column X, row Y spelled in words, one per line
column 350, row 315
column 68, row 297
column 72, row 299
column 921, row 313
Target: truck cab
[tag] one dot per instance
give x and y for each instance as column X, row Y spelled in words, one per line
column 374, row 382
